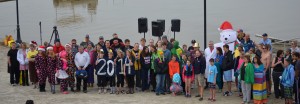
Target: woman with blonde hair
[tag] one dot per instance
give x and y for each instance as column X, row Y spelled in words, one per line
column 23, row 60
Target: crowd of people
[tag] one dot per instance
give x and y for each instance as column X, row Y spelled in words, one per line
column 162, row 67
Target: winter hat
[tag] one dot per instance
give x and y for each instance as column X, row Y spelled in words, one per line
column 226, row 26
column 41, row 48
column 57, row 40
column 49, row 48
column 67, row 45
column 33, row 42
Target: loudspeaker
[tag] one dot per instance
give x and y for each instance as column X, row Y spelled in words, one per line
column 162, row 24
column 143, row 25
column 156, row 28
column 175, row 25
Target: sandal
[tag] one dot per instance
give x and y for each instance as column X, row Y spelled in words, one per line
column 213, row 100
column 210, row 99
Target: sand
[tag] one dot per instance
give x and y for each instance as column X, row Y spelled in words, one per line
column 19, row 94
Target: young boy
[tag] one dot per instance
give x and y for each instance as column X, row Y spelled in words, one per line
column 212, row 80
column 287, row 80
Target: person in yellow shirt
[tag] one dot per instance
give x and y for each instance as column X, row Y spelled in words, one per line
column 136, row 52
column 32, row 71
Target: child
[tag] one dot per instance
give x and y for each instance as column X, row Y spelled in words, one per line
column 188, row 77
column 175, row 87
column 23, row 60
column 287, row 80
column 247, row 78
column 111, row 72
column 52, row 65
column 101, row 72
column 146, row 65
column 129, row 71
column 173, row 66
column 40, row 66
column 212, row 77
column 119, row 71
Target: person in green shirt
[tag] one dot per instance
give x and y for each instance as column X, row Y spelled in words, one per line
column 152, row 70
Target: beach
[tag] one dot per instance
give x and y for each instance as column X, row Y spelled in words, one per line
column 19, row 94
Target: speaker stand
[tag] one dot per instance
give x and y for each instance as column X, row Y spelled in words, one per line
column 144, row 35
column 174, row 34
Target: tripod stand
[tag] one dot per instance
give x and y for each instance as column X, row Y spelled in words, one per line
column 55, row 32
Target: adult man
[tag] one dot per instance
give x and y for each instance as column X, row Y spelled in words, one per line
column 142, row 43
column 227, row 66
column 151, row 42
column 127, row 44
column 86, row 41
column 241, row 35
column 137, row 65
column 167, row 55
column 115, row 36
column 107, row 48
column 199, row 70
column 58, row 47
column 117, row 45
column 294, row 46
column 191, row 48
column 296, row 56
column 13, row 65
column 288, row 55
column 74, row 47
column 165, row 40
column 82, row 60
column 210, row 53
column 247, row 43
column 266, row 41
column 101, row 41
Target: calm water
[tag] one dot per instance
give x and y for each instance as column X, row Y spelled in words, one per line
column 75, row 18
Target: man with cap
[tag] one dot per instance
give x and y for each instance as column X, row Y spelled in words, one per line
column 247, row 43
column 166, row 41
column 58, row 47
column 86, row 41
column 191, row 47
column 74, row 47
column 266, row 41
column 101, row 41
column 241, row 34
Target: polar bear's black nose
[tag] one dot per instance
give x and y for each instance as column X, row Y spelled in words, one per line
column 225, row 38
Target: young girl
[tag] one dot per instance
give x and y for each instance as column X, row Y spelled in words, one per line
column 101, row 71
column 129, row 71
column 287, row 80
column 63, row 59
column 40, row 66
column 32, row 71
column 218, row 63
column 21, row 56
column 182, row 63
column 152, row 72
column 188, row 77
column 90, row 68
column 53, row 64
column 119, row 71
column 176, row 84
column 212, row 76
column 146, row 65
column 247, row 78
column 111, row 72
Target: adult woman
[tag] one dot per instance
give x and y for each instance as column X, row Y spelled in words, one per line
column 23, row 60
column 159, row 45
column 278, row 68
column 70, row 68
column 90, row 68
column 218, row 62
column 259, row 86
column 129, row 71
column 146, row 65
column 32, row 71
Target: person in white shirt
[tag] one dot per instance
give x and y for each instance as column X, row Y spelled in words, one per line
column 210, row 53
column 82, row 60
column 294, row 46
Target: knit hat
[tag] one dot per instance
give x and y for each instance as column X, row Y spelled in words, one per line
column 67, row 45
column 57, row 40
column 41, row 48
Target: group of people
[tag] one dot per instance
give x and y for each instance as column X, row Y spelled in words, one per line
column 163, row 66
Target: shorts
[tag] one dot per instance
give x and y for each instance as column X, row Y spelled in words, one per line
column 211, row 85
column 199, row 78
column 268, row 78
column 288, row 92
column 228, row 75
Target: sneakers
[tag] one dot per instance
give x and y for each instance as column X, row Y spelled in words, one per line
column 200, row 99
column 227, row 93
column 65, row 92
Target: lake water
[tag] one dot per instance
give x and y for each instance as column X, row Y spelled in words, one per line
column 76, row 18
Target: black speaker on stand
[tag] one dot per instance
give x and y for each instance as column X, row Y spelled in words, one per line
column 157, row 29
column 175, row 26
column 143, row 25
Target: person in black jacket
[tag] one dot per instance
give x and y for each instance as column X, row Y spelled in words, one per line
column 146, row 65
column 227, row 66
column 199, row 64
column 160, row 66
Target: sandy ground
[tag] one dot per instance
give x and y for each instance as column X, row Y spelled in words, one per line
column 19, row 94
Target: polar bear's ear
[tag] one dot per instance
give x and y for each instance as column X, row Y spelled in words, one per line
column 219, row 29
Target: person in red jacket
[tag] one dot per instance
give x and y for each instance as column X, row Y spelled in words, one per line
column 57, row 48
column 173, row 66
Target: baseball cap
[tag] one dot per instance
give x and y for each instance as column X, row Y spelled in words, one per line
column 265, row 34
column 87, row 36
column 193, row 41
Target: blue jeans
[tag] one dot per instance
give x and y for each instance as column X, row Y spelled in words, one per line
column 160, row 80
